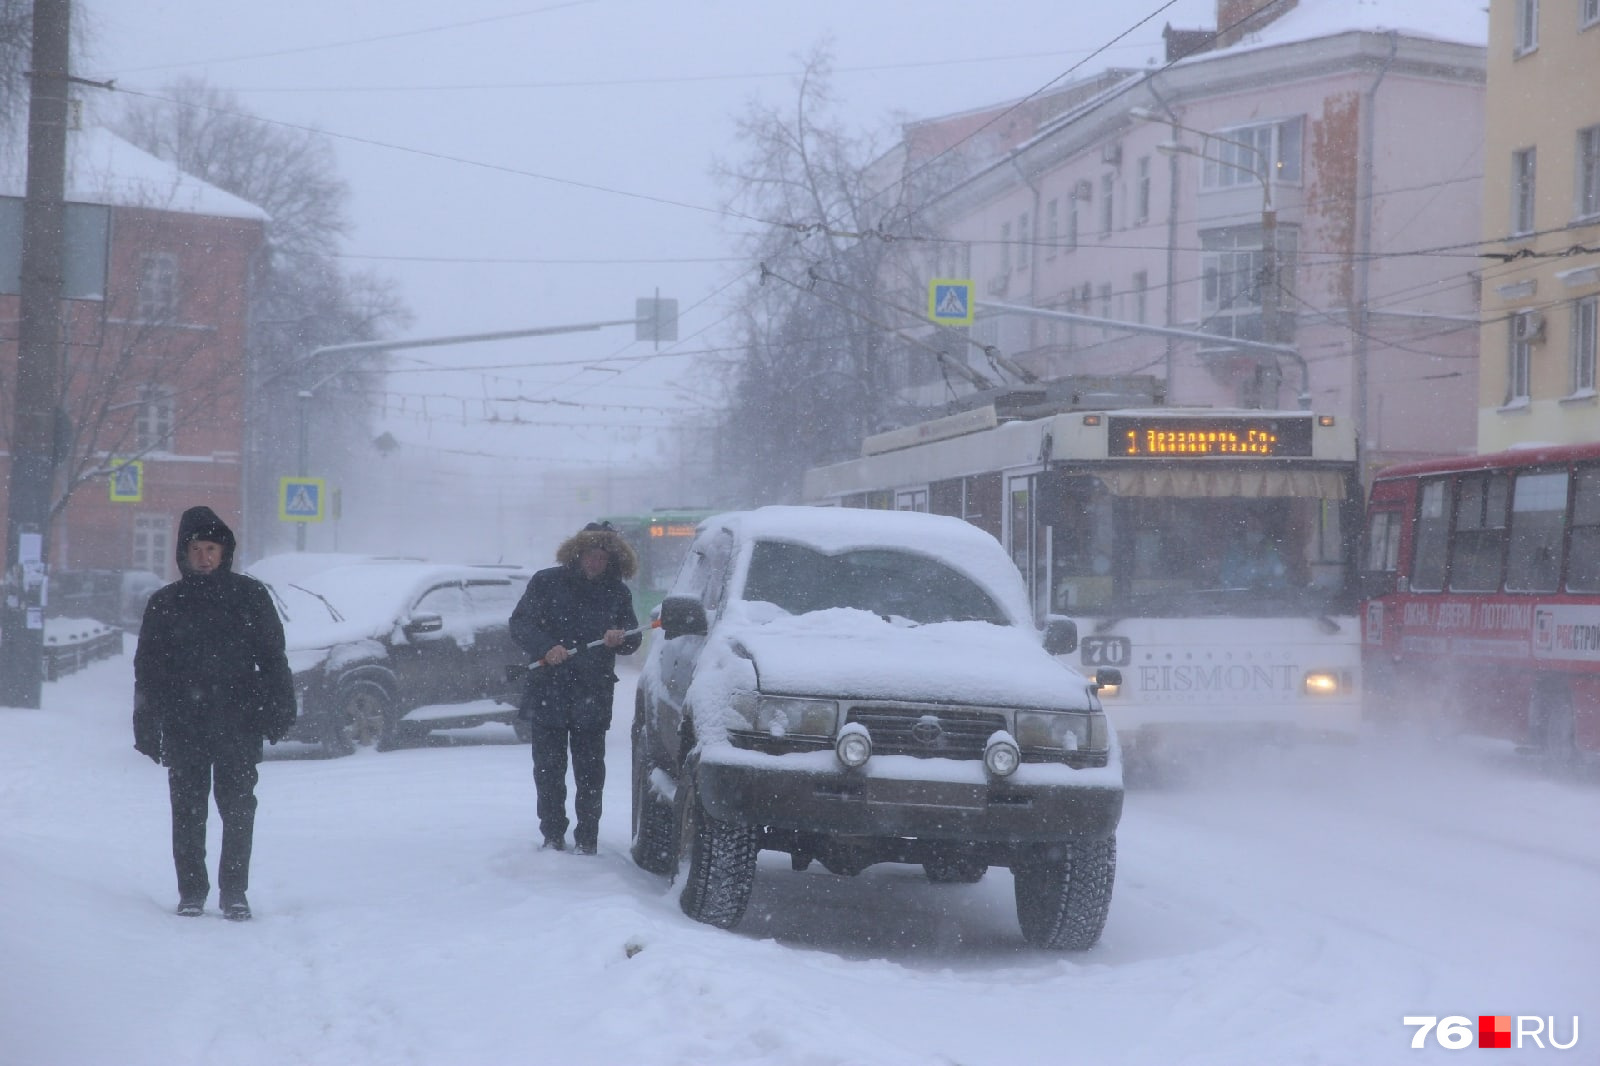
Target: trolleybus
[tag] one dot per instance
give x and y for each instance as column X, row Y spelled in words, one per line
column 1482, row 577
column 1132, row 523
column 660, row 539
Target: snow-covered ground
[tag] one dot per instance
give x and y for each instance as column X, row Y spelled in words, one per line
column 1290, row 912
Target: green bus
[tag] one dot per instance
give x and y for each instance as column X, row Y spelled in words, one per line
column 660, row 539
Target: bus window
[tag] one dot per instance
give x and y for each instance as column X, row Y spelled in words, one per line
column 1480, row 535
column 1583, row 556
column 1383, row 542
column 1433, row 537
column 1538, row 517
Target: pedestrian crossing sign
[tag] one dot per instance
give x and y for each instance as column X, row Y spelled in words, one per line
column 301, row 499
column 950, row 301
column 127, row 481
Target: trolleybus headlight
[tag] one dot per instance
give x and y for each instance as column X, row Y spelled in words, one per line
column 1322, row 683
column 1000, row 756
column 854, row 746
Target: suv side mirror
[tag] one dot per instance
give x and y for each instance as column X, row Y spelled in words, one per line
column 424, row 623
column 683, row 616
column 1060, row 635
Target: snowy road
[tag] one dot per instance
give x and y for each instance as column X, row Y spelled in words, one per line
column 1291, row 913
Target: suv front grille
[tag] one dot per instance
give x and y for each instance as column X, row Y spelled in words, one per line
column 927, row 732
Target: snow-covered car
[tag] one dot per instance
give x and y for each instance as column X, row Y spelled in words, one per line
column 385, row 650
column 856, row 687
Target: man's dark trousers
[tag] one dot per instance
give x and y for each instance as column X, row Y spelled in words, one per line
column 588, row 747
column 234, row 781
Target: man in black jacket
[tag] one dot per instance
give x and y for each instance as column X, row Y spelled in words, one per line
column 568, row 695
column 210, row 682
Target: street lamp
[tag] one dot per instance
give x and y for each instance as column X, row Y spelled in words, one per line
column 1271, row 295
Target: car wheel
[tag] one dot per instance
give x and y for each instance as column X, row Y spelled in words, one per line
column 954, row 871
column 652, row 818
column 363, row 717
column 716, row 861
column 1062, row 903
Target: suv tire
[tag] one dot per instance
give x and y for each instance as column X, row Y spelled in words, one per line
column 363, row 716
column 653, row 823
column 716, row 860
column 1062, row 903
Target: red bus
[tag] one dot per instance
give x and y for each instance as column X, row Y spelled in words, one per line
column 1481, row 578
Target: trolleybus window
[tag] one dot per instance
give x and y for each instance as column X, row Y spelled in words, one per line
column 1538, row 517
column 1583, row 560
column 1480, row 541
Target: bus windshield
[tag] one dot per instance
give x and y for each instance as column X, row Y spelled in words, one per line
column 1145, row 555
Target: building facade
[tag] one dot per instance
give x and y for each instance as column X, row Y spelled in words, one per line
column 1541, row 225
column 152, row 378
column 1289, row 194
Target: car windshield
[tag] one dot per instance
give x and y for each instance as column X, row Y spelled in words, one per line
column 885, row 581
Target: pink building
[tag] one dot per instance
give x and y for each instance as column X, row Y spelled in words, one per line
column 1306, row 191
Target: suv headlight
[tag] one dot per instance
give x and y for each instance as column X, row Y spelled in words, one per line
column 1062, row 730
column 782, row 716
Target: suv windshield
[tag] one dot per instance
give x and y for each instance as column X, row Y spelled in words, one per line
column 881, row 580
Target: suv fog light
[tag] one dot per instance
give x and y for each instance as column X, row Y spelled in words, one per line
column 854, row 746
column 1001, row 757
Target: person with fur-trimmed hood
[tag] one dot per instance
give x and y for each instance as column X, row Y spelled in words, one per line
column 580, row 600
column 210, row 682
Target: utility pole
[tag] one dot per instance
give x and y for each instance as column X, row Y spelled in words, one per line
column 33, row 433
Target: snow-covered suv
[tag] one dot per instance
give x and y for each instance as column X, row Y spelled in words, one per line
column 855, row 687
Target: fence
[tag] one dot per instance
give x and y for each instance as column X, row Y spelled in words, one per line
column 70, row 644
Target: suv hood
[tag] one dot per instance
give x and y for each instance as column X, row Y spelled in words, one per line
column 851, row 654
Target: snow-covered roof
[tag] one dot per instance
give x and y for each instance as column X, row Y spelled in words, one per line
column 1460, row 21
column 102, row 168
column 836, row 529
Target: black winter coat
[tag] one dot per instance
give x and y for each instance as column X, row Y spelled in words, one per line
column 210, row 676
column 562, row 606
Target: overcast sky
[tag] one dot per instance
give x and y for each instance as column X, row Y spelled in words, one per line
column 517, row 165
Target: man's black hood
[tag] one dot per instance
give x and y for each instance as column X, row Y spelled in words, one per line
column 202, row 523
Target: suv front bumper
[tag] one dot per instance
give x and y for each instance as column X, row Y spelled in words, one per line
column 935, row 799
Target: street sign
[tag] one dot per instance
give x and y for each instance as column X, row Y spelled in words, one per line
column 655, row 319
column 950, row 301
column 127, row 481
column 301, row 499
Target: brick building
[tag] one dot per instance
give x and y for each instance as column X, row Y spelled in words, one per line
column 154, row 369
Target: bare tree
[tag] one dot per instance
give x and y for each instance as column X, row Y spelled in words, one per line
column 818, row 326
column 301, row 299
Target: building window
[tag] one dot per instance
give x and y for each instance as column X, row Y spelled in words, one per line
column 1519, row 356
column 1052, row 228
column 1005, row 250
column 152, row 543
column 153, row 425
column 1232, row 266
column 1141, row 290
column 1524, row 164
column 1072, row 215
column 1024, row 240
column 1105, row 299
column 1527, row 26
column 1107, row 184
column 1590, row 14
column 158, row 287
column 1234, row 157
column 1141, row 195
column 1584, row 314
column 1588, row 205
